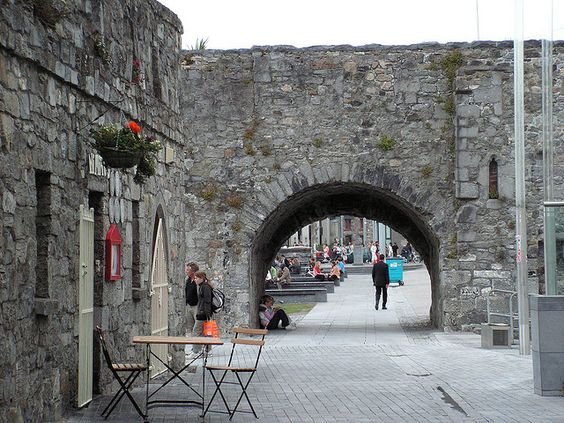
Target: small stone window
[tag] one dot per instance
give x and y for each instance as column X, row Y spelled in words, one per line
column 493, row 189
column 136, row 248
column 42, row 232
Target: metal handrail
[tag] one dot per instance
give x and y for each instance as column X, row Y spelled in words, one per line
column 553, row 203
column 511, row 316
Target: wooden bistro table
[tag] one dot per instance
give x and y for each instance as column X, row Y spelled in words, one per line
column 176, row 340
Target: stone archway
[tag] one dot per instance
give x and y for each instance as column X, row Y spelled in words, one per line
column 371, row 193
column 411, row 130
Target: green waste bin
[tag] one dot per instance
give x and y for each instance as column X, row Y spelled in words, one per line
column 395, row 270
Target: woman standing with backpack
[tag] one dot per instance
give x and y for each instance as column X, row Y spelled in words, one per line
column 204, row 308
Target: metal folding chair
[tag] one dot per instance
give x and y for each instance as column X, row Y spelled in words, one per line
column 130, row 371
column 244, row 359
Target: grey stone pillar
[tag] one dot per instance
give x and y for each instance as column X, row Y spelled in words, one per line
column 357, row 242
column 547, row 329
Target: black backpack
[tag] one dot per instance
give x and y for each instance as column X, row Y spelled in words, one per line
column 218, row 300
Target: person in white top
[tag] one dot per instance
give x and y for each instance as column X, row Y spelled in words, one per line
column 374, row 252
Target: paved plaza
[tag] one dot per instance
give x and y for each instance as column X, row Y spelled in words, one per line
column 347, row 362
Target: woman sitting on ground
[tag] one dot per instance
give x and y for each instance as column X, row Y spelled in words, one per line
column 271, row 317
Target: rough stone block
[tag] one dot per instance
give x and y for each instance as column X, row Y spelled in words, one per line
column 496, row 335
column 468, row 132
column 468, row 111
column 467, row 214
column 45, row 306
column 467, row 190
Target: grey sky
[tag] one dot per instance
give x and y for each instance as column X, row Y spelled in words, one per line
column 302, row 23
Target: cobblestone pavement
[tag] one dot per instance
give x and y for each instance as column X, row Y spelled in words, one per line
column 347, row 362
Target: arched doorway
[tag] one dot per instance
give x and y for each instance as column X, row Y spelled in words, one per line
column 159, row 296
column 339, row 198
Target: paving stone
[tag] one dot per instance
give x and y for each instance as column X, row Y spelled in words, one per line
column 347, row 362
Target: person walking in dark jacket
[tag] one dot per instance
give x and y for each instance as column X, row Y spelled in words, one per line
column 191, row 292
column 203, row 309
column 381, row 281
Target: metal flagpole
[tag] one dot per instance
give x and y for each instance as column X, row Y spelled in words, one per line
column 477, row 22
column 521, row 214
column 548, row 153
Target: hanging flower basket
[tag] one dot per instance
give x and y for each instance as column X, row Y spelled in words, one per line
column 123, row 148
column 120, row 159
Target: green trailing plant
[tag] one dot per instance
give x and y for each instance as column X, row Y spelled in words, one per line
column 450, row 65
column 237, row 226
column 449, row 107
column 249, row 134
column 128, row 143
column 101, row 50
column 426, row 171
column 187, row 60
column 453, row 241
column 451, row 143
column 386, row 143
column 251, row 131
column 249, row 149
column 200, row 44
column 266, row 150
column 209, row 192
column 234, row 200
column 317, row 142
column 493, row 195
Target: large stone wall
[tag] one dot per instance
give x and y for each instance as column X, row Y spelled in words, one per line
column 62, row 65
column 265, row 141
column 299, row 134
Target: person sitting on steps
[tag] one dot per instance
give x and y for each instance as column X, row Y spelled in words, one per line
column 284, row 279
column 335, row 273
column 317, row 273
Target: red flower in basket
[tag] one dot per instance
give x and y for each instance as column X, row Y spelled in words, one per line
column 124, row 148
column 133, row 127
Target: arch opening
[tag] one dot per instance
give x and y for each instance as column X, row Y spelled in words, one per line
column 334, row 199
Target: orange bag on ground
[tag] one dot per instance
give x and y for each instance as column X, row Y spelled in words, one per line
column 211, row 329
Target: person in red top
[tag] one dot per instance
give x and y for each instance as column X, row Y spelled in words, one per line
column 317, row 273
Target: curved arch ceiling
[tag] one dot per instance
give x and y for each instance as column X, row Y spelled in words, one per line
column 361, row 200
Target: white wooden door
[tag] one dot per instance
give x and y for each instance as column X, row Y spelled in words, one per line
column 86, row 306
column 159, row 300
